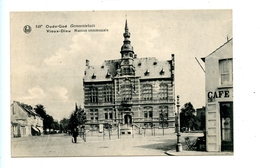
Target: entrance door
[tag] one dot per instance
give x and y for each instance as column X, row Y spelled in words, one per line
column 128, row 119
column 226, row 119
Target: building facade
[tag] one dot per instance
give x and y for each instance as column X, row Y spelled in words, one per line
column 130, row 91
column 24, row 121
column 219, row 98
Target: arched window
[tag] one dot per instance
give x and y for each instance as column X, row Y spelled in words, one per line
column 126, row 92
column 163, row 91
column 147, row 92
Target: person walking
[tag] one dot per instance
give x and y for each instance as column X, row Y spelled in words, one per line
column 75, row 134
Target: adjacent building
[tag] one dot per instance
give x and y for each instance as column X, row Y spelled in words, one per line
column 130, row 91
column 24, row 121
column 219, row 98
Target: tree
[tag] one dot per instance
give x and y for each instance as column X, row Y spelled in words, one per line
column 39, row 109
column 64, row 125
column 48, row 121
column 187, row 117
column 77, row 118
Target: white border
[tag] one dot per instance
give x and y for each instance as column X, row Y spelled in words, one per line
column 246, row 87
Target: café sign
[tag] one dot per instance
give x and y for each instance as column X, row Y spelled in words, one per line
column 218, row 94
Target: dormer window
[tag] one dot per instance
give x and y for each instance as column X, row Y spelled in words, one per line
column 108, row 75
column 147, row 73
column 94, row 76
column 162, row 72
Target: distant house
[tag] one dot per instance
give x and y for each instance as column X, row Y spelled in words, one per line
column 24, row 121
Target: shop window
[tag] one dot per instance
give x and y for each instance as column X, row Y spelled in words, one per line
column 226, row 114
column 147, row 92
column 163, row 91
column 226, row 71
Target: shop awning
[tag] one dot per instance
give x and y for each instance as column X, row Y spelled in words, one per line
column 35, row 129
column 40, row 129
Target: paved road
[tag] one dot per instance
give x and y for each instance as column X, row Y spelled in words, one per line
column 61, row 145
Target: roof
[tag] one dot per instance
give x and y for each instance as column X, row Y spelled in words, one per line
column 143, row 66
column 27, row 108
column 203, row 59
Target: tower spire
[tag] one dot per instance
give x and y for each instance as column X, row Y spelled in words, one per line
column 126, row 48
column 126, row 27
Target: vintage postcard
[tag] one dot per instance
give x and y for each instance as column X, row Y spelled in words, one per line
column 121, row 83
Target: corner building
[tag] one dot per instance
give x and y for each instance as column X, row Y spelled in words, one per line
column 219, row 99
column 131, row 91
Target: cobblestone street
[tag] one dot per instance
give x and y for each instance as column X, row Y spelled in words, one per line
column 61, row 145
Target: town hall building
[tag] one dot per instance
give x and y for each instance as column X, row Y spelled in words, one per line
column 130, row 91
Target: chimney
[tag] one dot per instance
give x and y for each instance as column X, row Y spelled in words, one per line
column 87, row 62
column 172, row 56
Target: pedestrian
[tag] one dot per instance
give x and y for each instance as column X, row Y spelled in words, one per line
column 75, row 134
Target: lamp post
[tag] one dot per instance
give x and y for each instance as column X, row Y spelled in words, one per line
column 178, row 145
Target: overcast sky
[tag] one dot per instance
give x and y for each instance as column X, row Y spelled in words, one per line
column 47, row 68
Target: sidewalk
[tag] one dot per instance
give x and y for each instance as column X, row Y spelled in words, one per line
column 197, row 153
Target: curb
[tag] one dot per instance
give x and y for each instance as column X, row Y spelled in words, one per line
column 197, row 153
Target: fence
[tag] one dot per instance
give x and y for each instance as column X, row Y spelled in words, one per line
column 115, row 133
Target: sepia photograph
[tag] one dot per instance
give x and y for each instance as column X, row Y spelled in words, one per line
column 121, row 83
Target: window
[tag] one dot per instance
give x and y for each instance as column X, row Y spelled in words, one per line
column 147, row 73
column 226, row 71
column 108, row 114
column 163, row 91
column 107, row 94
column 126, row 71
column 93, row 114
column 93, row 94
column 147, row 92
column 127, row 92
column 148, row 113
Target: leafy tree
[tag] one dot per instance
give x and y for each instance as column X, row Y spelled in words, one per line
column 39, row 109
column 48, row 121
column 64, row 125
column 188, row 118
column 77, row 118
column 56, row 125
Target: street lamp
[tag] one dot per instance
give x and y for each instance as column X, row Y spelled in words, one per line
column 178, row 145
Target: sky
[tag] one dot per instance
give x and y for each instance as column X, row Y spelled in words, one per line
column 48, row 68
